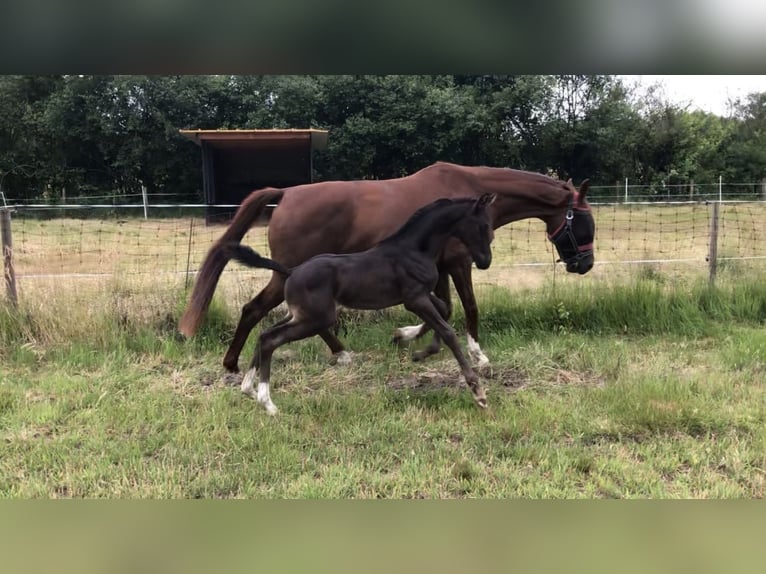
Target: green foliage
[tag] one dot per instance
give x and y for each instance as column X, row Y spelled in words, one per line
column 67, row 136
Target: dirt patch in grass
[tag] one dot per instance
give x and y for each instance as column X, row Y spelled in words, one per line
column 585, row 378
column 509, row 379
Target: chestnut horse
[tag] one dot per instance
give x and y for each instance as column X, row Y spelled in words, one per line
column 352, row 216
column 400, row 270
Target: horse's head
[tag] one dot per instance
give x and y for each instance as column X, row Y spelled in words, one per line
column 475, row 231
column 574, row 237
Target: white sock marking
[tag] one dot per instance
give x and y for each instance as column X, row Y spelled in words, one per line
column 247, row 383
column 264, row 398
column 343, row 358
column 475, row 352
column 408, row 333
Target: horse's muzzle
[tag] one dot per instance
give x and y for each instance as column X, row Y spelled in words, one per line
column 581, row 264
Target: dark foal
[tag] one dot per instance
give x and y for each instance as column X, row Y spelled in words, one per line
column 399, row 270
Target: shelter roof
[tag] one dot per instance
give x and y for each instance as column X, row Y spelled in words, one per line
column 255, row 139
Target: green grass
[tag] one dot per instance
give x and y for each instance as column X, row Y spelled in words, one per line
column 646, row 389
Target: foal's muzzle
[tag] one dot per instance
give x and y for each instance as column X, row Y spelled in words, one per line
column 483, row 261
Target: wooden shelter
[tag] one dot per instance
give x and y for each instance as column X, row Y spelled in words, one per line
column 236, row 162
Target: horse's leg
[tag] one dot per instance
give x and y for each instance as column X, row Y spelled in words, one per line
column 461, row 276
column 268, row 341
column 425, row 309
column 339, row 352
column 271, row 296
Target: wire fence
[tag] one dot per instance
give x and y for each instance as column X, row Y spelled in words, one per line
column 77, row 251
column 624, row 191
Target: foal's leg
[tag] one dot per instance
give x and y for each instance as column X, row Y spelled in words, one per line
column 409, row 333
column 339, row 352
column 425, row 309
column 268, row 342
column 461, row 277
column 256, row 362
column 271, row 296
column 436, row 343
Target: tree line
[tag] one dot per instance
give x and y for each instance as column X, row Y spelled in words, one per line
column 87, row 136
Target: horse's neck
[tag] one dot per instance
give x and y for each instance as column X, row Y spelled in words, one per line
column 523, row 195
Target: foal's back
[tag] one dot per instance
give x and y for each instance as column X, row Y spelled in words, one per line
column 372, row 279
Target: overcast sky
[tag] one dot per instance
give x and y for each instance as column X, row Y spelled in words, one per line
column 708, row 93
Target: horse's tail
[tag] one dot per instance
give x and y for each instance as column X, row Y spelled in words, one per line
column 246, row 255
column 207, row 278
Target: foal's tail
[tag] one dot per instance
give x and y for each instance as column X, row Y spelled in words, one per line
column 207, row 278
column 246, row 255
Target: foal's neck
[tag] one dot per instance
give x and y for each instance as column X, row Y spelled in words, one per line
column 432, row 233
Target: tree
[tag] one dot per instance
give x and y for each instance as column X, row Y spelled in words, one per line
column 746, row 150
column 24, row 149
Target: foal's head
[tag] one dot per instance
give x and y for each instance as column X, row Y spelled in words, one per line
column 474, row 230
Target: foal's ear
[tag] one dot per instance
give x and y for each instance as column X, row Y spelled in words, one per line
column 486, row 199
column 582, row 191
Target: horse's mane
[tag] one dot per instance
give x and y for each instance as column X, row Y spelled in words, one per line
column 417, row 218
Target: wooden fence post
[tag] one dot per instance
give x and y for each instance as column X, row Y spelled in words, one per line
column 713, row 253
column 7, row 244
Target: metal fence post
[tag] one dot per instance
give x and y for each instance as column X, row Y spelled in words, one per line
column 7, row 244
column 713, row 253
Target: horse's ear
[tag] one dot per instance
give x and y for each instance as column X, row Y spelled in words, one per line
column 486, row 199
column 583, row 190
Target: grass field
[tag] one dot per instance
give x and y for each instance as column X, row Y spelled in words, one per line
column 649, row 388
column 636, row 380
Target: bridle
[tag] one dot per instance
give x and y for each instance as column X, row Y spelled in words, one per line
column 565, row 241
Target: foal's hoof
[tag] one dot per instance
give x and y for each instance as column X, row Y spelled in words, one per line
column 480, row 398
column 342, row 358
column 405, row 334
column 423, row 354
column 271, row 410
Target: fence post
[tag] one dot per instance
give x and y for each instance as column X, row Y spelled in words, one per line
column 188, row 252
column 713, row 254
column 7, row 243
column 145, row 200
column 763, row 189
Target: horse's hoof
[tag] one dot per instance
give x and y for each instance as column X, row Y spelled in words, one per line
column 231, row 367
